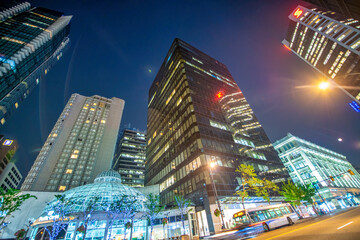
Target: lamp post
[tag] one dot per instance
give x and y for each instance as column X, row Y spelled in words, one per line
column 330, row 82
column 212, row 165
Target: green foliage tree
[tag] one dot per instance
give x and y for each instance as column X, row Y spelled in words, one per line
column 152, row 210
column 296, row 193
column 250, row 182
column 10, row 201
column 247, row 173
column 262, row 188
column 183, row 205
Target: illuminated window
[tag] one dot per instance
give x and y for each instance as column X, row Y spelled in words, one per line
column 2, row 121
column 149, row 141
column 170, row 97
column 154, row 135
column 46, row 71
column 85, row 107
column 69, row 170
column 62, row 188
column 218, row 125
column 94, row 104
column 16, row 105
column 178, row 101
column 74, row 156
column 87, row 121
column 103, row 121
column 92, row 109
column 76, row 151
column 55, row 135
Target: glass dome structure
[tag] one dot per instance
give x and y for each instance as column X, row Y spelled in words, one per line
column 106, row 189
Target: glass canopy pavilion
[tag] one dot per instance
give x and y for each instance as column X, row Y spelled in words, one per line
column 105, row 190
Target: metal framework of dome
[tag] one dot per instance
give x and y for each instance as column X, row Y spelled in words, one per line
column 106, row 189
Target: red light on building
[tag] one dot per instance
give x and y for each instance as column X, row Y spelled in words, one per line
column 219, row 94
column 287, row 47
column 298, row 13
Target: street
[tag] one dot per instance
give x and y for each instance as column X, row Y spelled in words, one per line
column 344, row 225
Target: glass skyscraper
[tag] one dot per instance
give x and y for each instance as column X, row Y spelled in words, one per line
column 197, row 115
column 308, row 163
column 330, row 43
column 80, row 146
column 129, row 158
column 31, row 41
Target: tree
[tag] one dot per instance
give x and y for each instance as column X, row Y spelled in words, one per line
column 262, row 188
column 128, row 211
column 308, row 192
column 10, row 201
column 114, row 212
column 296, row 193
column 59, row 209
column 183, row 205
column 87, row 206
column 247, row 173
column 153, row 209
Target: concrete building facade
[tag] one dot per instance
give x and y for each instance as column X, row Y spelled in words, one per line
column 79, row 147
column 326, row 170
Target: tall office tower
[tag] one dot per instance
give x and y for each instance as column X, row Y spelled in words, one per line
column 335, row 178
column 330, row 43
column 79, row 147
column 197, row 115
column 31, row 41
column 130, row 155
column 349, row 8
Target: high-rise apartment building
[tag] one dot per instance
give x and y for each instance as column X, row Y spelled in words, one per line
column 31, row 41
column 79, row 147
column 330, row 43
column 197, row 115
column 328, row 171
column 129, row 159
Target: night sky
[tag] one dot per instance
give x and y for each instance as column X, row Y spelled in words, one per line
column 117, row 48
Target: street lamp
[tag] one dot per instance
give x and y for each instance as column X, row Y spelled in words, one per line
column 324, row 85
column 213, row 165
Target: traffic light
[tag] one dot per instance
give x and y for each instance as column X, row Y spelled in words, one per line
column 332, row 178
column 351, row 172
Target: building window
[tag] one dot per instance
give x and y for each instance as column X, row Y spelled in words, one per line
column 62, row 188
column 69, row 170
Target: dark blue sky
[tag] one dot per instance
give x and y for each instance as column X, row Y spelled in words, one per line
column 115, row 43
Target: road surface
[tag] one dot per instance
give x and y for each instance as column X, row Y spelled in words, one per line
column 340, row 226
column 343, row 225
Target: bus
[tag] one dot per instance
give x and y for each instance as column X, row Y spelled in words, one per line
column 265, row 217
